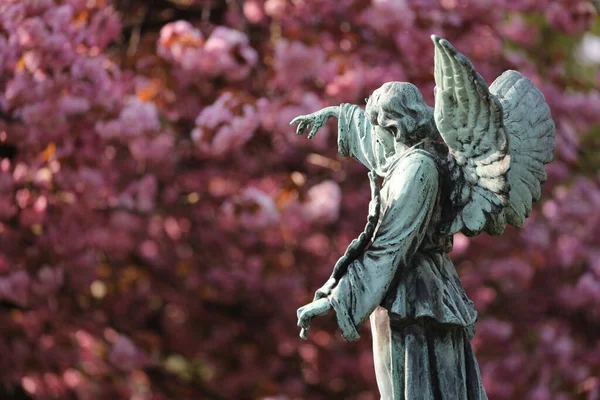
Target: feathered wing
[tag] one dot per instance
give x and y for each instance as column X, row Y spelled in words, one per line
column 470, row 120
column 499, row 139
column 530, row 128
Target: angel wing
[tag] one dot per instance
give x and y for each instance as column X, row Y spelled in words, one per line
column 530, row 128
column 498, row 139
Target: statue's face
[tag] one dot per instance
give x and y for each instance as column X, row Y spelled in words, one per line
column 385, row 137
column 405, row 124
column 398, row 126
column 398, row 130
column 398, row 109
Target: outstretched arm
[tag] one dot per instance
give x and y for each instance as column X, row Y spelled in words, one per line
column 316, row 120
column 355, row 136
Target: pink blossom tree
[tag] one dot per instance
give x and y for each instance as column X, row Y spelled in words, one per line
column 160, row 222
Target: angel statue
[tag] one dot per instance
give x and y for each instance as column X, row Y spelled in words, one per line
column 485, row 173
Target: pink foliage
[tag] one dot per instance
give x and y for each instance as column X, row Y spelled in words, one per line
column 323, row 203
column 225, row 125
column 160, row 221
column 226, row 52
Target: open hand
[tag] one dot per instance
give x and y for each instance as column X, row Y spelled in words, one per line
column 309, row 311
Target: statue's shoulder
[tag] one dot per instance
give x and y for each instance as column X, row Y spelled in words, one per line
column 431, row 154
column 418, row 162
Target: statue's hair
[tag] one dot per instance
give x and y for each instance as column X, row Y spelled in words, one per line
column 396, row 101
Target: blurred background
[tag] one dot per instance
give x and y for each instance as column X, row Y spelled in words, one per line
column 160, row 221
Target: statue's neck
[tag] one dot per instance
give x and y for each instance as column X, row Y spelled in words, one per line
column 400, row 148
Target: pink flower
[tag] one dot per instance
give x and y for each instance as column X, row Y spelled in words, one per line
column 348, row 85
column 588, row 290
column 275, row 8
column 180, row 42
column 254, row 11
column 226, row 52
column 494, row 330
column 570, row 16
column 135, row 119
column 32, row 32
column 323, row 203
column 512, row 274
column 13, row 16
column 232, row 50
column 295, row 63
column 156, row 150
column 138, row 117
column 225, row 125
column 103, row 27
column 252, row 209
column 74, row 105
column 140, row 195
column 520, row 31
column 388, row 16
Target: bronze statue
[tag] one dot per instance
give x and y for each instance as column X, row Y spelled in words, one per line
column 485, row 173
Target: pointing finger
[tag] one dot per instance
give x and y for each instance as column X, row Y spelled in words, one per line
column 304, row 324
column 301, row 127
column 297, row 119
column 313, row 131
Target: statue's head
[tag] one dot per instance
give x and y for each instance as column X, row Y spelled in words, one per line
column 398, row 109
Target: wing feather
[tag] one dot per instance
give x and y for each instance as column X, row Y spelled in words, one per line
column 529, row 125
column 473, row 216
column 499, row 139
column 470, row 120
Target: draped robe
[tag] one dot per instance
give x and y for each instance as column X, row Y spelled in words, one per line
column 421, row 318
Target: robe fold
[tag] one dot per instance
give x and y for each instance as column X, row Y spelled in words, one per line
column 421, row 318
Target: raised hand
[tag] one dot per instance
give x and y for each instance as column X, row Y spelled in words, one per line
column 315, row 120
